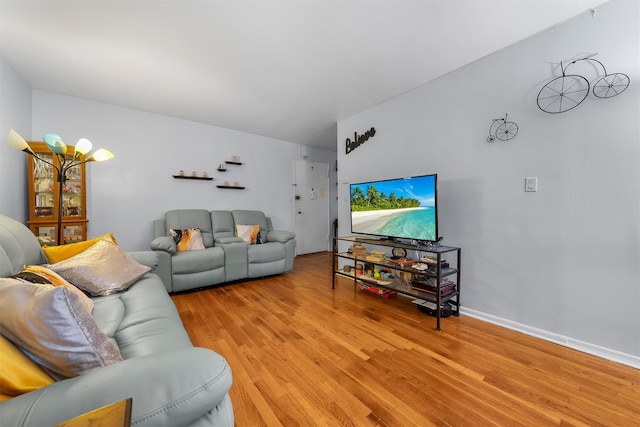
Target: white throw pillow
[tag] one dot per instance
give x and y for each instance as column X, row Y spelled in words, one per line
column 249, row 233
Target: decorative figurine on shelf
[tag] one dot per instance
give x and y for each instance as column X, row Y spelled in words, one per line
column 194, row 173
column 235, row 183
column 226, row 183
column 235, row 158
column 204, row 175
column 222, row 167
column 181, row 173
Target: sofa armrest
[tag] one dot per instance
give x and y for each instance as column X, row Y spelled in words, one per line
column 280, row 236
column 175, row 388
column 164, row 243
column 148, row 258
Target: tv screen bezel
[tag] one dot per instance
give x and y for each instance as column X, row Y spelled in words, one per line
column 399, row 238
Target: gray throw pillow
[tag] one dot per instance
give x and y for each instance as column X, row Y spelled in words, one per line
column 52, row 327
column 102, row 269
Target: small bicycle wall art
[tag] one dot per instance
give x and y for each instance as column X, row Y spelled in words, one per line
column 566, row 92
column 502, row 130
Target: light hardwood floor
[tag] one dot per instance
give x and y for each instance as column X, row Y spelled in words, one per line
column 303, row 354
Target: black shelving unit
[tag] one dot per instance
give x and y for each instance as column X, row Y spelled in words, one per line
column 403, row 285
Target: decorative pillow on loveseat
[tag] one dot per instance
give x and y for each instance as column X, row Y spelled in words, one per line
column 102, row 269
column 52, row 327
column 249, row 233
column 189, row 239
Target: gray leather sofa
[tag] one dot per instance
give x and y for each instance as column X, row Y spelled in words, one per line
column 226, row 257
column 171, row 382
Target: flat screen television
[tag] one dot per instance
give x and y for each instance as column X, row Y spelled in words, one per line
column 403, row 208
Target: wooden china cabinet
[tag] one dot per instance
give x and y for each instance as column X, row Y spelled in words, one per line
column 44, row 201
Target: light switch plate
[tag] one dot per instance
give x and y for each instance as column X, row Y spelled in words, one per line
column 531, row 183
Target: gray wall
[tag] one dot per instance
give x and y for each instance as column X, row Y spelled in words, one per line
column 15, row 113
column 126, row 193
column 561, row 263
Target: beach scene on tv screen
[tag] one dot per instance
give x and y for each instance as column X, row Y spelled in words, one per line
column 404, row 208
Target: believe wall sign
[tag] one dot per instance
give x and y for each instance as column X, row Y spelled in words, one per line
column 358, row 140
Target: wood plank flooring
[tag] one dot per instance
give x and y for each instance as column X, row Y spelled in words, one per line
column 303, row 354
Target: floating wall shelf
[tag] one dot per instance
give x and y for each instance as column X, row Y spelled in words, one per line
column 205, row 178
column 231, row 187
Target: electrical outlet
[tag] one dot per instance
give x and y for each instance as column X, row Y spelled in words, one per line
column 531, row 183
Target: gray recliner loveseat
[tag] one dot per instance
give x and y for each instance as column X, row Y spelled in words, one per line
column 225, row 257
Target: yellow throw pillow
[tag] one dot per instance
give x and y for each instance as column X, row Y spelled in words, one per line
column 18, row 373
column 60, row 253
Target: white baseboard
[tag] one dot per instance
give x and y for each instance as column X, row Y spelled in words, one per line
column 585, row 347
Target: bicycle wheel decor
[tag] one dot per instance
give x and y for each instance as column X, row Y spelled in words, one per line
column 611, row 85
column 563, row 94
column 569, row 90
column 502, row 130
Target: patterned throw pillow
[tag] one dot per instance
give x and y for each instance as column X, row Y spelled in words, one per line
column 249, row 233
column 43, row 275
column 188, row 239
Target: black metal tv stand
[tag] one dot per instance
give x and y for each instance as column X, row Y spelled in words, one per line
column 439, row 284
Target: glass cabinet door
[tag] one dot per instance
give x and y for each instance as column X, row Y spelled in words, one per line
column 44, row 188
column 46, row 234
column 73, row 194
column 73, row 233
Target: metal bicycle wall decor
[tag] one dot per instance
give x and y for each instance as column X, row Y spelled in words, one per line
column 569, row 90
column 502, row 130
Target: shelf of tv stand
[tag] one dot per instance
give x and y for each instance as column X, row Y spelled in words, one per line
column 396, row 285
column 444, row 272
column 399, row 284
column 435, row 248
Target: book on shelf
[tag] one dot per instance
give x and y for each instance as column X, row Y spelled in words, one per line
column 402, row 261
column 445, row 288
column 386, row 293
column 376, row 256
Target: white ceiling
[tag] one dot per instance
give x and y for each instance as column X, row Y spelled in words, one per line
column 286, row 69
